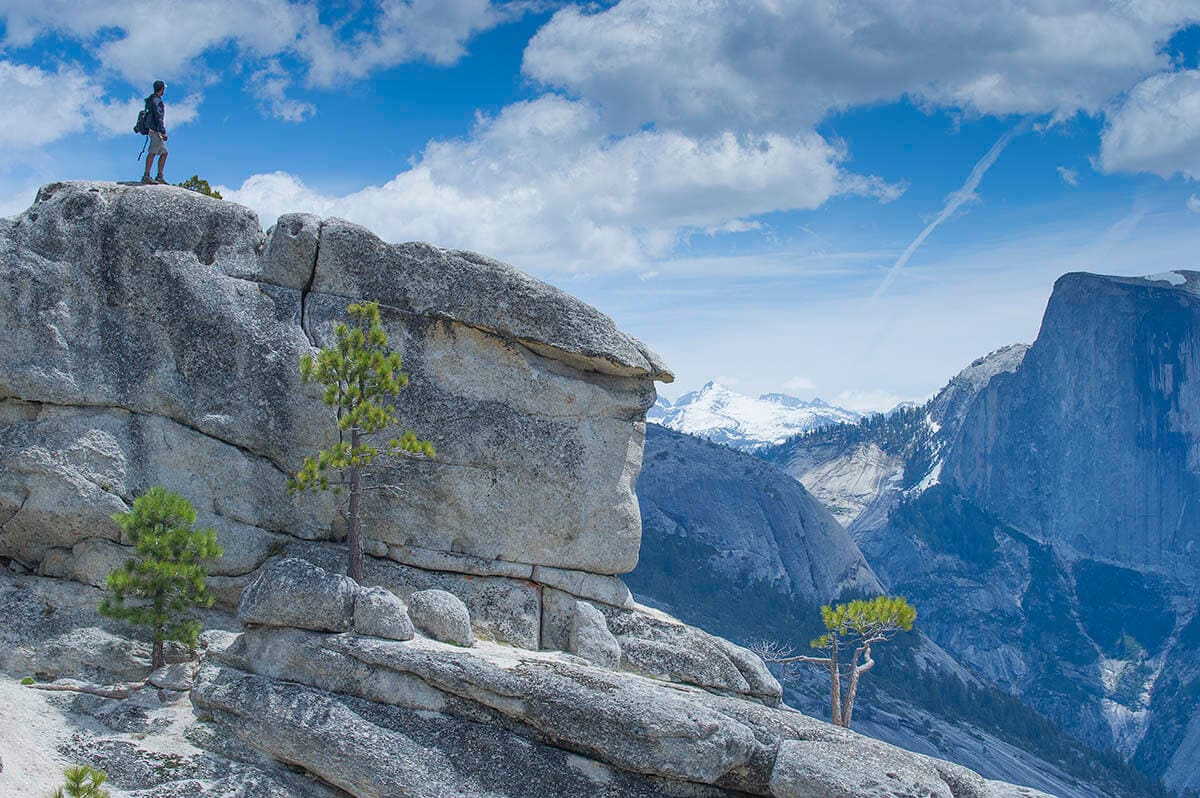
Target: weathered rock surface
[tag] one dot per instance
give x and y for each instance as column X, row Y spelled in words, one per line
column 293, row 592
column 442, row 616
column 378, row 613
column 133, row 309
column 680, row 736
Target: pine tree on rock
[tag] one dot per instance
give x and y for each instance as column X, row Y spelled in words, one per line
column 853, row 629
column 165, row 579
column 360, row 374
column 83, row 781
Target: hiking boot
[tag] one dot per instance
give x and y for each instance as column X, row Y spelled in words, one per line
column 147, row 179
column 160, row 179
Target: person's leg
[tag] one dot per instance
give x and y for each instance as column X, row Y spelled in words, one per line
column 162, row 160
column 149, row 163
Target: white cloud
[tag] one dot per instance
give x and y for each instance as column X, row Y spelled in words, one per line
column 785, row 64
column 543, row 185
column 726, row 380
column 270, row 85
column 143, row 40
column 1156, row 128
column 1069, row 176
column 1193, row 204
column 41, row 107
column 799, row 385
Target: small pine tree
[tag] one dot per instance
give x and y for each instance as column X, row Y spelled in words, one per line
column 360, row 374
column 166, row 577
column 83, row 781
column 855, row 627
column 198, row 184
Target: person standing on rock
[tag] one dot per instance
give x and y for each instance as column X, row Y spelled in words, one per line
column 158, row 133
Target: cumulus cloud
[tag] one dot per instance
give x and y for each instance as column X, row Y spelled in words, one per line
column 142, row 40
column 1156, row 128
column 1193, row 204
column 32, row 120
column 1069, row 176
column 270, row 85
column 706, row 64
column 543, row 184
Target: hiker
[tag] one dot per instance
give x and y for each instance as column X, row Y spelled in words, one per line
column 158, row 133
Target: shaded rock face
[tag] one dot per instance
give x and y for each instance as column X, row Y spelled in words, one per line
column 761, row 527
column 1094, row 442
column 154, row 338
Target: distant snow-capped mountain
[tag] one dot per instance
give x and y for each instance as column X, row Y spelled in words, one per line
column 743, row 422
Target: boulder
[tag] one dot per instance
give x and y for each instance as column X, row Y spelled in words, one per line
column 292, row 592
column 591, row 639
column 505, row 610
column 133, row 309
column 379, row 613
column 442, row 616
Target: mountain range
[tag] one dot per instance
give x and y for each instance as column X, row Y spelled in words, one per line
column 1039, row 512
column 721, row 415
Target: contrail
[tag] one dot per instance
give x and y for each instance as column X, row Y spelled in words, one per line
column 953, row 203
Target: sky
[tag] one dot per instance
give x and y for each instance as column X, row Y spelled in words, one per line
column 844, row 200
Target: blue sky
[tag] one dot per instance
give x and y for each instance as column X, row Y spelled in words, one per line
column 734, row 182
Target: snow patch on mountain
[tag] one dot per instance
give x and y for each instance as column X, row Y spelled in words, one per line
column 743, row 422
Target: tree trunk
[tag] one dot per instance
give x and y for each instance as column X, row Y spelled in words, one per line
column 157, row 656
column 835, row 688
column 354, row 534
column 852, row 689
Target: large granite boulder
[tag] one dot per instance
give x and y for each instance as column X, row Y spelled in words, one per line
column 293, row 592
column 442, row 616
column 134, row 310
column 379, row 613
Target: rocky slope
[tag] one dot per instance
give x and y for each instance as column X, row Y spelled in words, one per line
column 861, row 470
column 152, row 337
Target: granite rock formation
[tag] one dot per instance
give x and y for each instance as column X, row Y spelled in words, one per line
column 152, row 337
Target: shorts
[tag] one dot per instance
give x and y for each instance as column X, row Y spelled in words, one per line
column 157, row 145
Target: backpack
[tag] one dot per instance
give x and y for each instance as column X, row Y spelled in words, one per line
column 141, row 128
